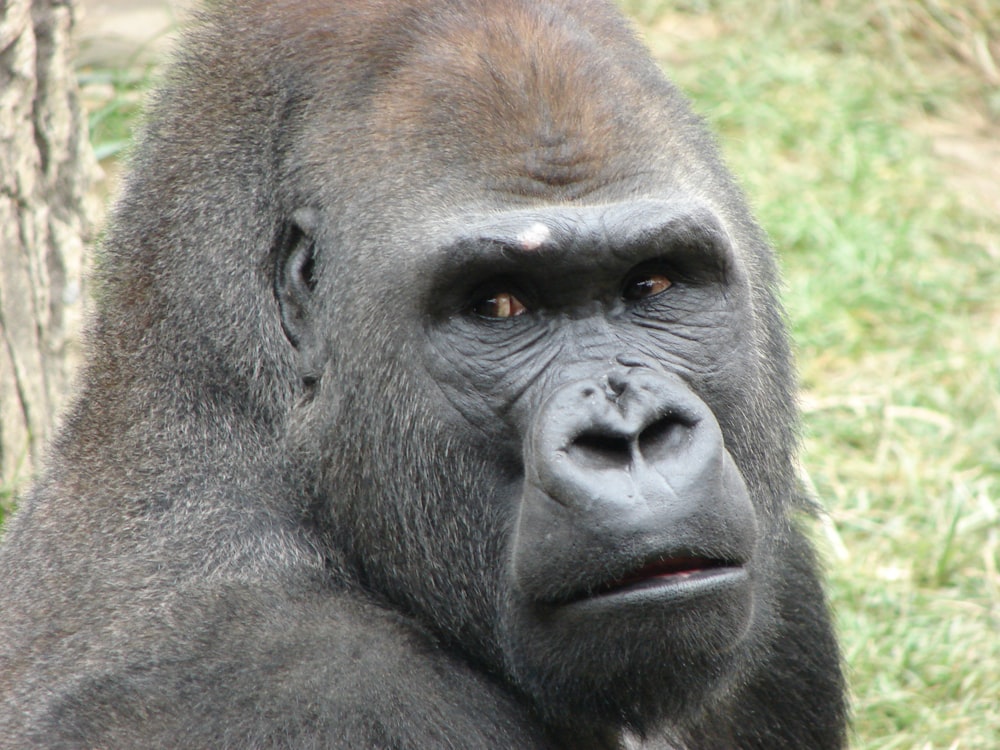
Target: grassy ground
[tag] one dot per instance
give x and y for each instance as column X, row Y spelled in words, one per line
column 892, row 260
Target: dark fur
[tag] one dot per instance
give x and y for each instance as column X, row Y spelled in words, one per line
column 279, row 516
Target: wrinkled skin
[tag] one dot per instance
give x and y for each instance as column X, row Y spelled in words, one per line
column 436, row 396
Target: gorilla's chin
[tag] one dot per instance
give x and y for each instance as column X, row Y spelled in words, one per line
column 605, row 660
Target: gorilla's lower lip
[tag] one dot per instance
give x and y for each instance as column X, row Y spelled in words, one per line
column 670, row 571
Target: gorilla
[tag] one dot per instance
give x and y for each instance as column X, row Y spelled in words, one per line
column 436, row 396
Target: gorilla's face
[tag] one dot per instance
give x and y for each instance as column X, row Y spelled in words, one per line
column 530, row 449
column 572, row 336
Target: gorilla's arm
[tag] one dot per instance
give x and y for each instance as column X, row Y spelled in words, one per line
column 301, row 669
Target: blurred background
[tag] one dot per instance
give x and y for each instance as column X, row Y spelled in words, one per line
column 867, row 136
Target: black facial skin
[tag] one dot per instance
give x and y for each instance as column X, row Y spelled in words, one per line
column 437, row 396
column 629, row 508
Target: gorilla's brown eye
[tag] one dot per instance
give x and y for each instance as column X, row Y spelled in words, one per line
column 500, row 305
column 645, row 285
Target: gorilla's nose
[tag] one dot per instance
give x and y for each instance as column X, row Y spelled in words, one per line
column 633, row 435
column 638, row 422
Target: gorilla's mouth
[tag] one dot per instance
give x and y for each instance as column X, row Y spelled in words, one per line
column 667, row 571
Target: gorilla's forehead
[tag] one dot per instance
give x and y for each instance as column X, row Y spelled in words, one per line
column 530, row 107
column 535, row 99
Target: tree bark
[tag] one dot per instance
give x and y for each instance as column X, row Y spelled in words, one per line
column 46, row 171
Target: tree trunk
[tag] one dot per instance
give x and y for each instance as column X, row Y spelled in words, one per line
column 46, row 171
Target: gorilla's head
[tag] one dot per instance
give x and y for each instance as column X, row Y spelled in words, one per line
column 544, row 386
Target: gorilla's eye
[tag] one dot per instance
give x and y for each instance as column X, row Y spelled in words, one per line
column 645, row 285
column 499, row 305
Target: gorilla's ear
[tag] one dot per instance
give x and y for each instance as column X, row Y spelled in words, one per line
column 294, row 284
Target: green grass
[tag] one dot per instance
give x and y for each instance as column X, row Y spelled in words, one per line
column 114, row 101
column 893, row 293
column 6, row 499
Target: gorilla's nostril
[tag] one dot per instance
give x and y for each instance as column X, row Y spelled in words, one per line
column 599, row 451
column 664, row 437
